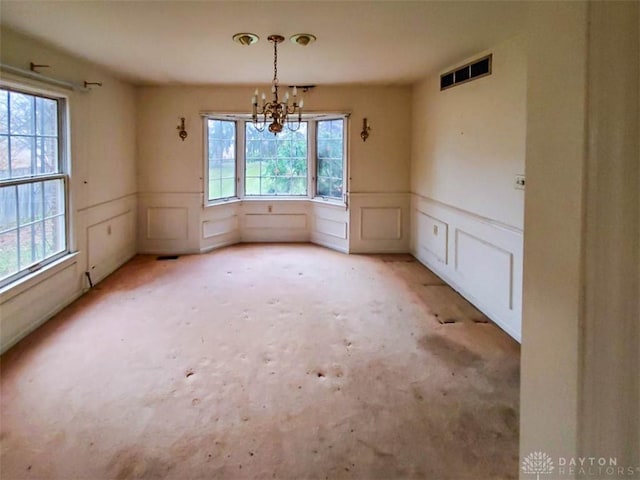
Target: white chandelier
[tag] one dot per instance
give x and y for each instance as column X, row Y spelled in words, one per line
column 276, row 111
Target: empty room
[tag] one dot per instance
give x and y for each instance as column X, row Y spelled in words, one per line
column 319, row 239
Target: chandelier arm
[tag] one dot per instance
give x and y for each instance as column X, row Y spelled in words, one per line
column 293, row 129
column 260, row 125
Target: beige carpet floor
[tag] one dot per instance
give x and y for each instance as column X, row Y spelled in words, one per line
column 263, row 361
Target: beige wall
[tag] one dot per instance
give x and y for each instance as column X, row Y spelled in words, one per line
column 469, row 140
column 102, row 183
column 165, row 164
column 556, row 149
column 610, row 379
column 580, row 384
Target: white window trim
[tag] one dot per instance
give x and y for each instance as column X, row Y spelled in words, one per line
column 241, row 119
column 40, row 270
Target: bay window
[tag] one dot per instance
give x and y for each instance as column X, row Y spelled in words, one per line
column 243, row 162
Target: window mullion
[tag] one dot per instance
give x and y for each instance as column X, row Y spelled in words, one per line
column 34, row 139
column 18, row 260
column 345, row 158
column 33, row 218
column 312, row 155
column 205, row 135
column 9, row 132
column 241, row 145
column 63, row 163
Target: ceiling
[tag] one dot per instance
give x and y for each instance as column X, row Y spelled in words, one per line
column 189, row 42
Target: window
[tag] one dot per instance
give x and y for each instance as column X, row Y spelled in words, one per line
column 243, row 162
column 33, row 187
column 276, row 164
column 330, row 155
column 221, row 150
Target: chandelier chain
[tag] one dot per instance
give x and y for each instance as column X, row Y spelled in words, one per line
column 275, row 63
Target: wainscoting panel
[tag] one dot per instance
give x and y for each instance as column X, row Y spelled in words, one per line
column 435, row 234
column 169, row 222
column 379, row 222
column 280, row 221
column 213, row 228
column 220, row 225
column 110, row 243
column 488, row 268
column 480, row 258
column 25, row 312
column 330, row 226
column 275, row 221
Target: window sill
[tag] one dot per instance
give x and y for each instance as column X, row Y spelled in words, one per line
column 329, row 202
column 225, row 201
column 276, row 198
column 29, row 281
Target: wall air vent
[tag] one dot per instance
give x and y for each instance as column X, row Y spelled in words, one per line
column 465, row 73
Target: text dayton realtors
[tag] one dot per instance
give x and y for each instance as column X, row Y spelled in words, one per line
column 593, row 466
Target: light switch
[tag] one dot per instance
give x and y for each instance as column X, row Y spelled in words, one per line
column 519, row 182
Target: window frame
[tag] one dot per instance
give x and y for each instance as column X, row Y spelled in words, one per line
column 63, row 173
column 312, row 119
column 345, row 159
column 206, row 177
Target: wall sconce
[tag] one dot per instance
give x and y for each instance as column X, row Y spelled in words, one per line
column 182, row 133
column 364, row 134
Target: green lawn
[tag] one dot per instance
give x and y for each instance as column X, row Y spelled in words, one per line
column 222, row 182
